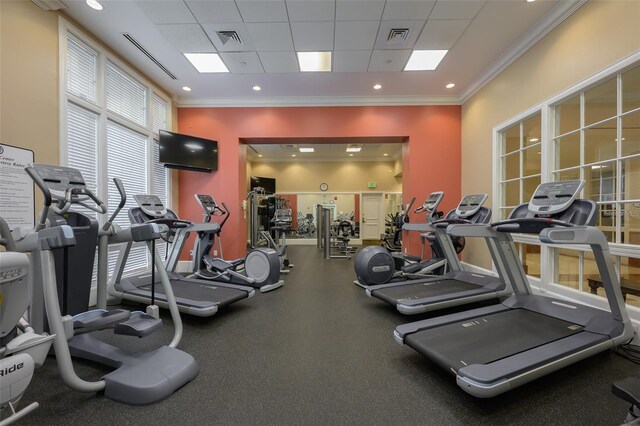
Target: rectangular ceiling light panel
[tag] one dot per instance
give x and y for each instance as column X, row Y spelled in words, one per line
column 206, row 62
column 425, row 60
column 314, row 61
column 354, row 148
column 307, row 149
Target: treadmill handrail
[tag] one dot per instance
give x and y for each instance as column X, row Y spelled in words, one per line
column 537, row 224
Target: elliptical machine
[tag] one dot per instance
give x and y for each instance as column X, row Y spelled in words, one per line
column 260, row 268
column 376, row 265
column 137, row 378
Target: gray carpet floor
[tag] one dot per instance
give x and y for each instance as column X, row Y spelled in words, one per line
column 319, row 351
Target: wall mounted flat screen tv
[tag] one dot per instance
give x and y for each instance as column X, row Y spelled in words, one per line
column 179, row 151
column 269, row 184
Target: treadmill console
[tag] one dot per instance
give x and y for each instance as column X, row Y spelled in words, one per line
column 207, row 203
column 59, row 179
column 554, row 197
column 433, row 200
column 470, row 204
column 151, row 205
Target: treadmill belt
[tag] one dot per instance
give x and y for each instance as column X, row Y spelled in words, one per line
column 186, row 292
column 409, row 292
column 486, row 339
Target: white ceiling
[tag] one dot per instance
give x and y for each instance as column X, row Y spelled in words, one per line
column 479, row 34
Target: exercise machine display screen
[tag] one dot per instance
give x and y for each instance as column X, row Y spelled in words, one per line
column 433, row 200
column 554, row 197
column 470, row 204
column 207, row 202
column 151, row 205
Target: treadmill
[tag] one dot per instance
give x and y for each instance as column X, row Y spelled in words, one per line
column 497, row 348
column 197, row 297
column 456, row 287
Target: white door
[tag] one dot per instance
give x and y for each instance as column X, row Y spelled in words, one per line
column 372, row 216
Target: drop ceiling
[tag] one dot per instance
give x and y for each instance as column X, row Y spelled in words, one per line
column 371, row 41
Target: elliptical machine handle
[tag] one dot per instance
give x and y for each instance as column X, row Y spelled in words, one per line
column 226, row 212
column 42, row 220
column 123, row 201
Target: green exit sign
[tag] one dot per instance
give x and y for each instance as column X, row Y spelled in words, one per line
column 372, row 185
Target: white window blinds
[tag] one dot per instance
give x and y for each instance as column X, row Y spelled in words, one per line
column 159, row 114
column 126, row 160
column 81, row 70
column 82, row 143
column 125, row 96
column 159, row 177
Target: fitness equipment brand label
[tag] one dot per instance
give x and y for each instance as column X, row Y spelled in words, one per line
column 16, row 188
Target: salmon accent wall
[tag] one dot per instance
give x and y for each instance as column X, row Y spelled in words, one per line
column 430, row 157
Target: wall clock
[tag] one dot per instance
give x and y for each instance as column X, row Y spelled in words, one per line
column 324, row 187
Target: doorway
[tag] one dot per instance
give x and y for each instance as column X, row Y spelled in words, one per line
column 372, row 216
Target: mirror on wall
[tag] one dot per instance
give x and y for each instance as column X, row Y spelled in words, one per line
column 344, row 207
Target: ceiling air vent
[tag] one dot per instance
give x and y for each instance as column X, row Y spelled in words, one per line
column 230, row 38
column 49, row 4
column 289, row 147
column 149, row 55
column 398, row 35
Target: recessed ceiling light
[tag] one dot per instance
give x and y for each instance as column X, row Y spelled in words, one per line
column 450, row 85
column 530, row 1
column 314, row 61
column 257, row 88
column 534, row 140
column 377, row 86
column 306, row 149
column 354, row 148
column 206, row 62
column 259, row 155
column 386, row 155
column 94, row 4
column 350, row 155
column 186, row 88
column 425, row 60
column 293, row 155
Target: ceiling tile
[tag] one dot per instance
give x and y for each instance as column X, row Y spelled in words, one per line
column 167, row 12
column 359, row 10
column 279, row 62
column 407, row 9
column 242, row 62
column 456, row 9
column 351, row 60
column 356, row 35
column 386, row 39
column 388, row 60
column 263, row 10
column 187, row 38
column 311, row 10
column 312, row 36
column 214, row 11
column 271, row 37
column 229, row 45
column 441, row 34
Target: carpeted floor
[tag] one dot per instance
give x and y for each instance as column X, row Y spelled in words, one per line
column 319, row 351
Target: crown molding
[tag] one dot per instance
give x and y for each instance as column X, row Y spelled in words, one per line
column 321, row 160
column 559, row 13
column 314, row 101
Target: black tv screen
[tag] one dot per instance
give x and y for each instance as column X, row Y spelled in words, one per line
column 188, row 152
column 269, row 184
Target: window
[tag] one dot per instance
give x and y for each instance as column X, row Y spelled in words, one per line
column 110, row 119
column 592, row 133
column 519, row 163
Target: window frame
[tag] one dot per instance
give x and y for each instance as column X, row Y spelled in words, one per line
column 103, row 58
column 548, row 268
